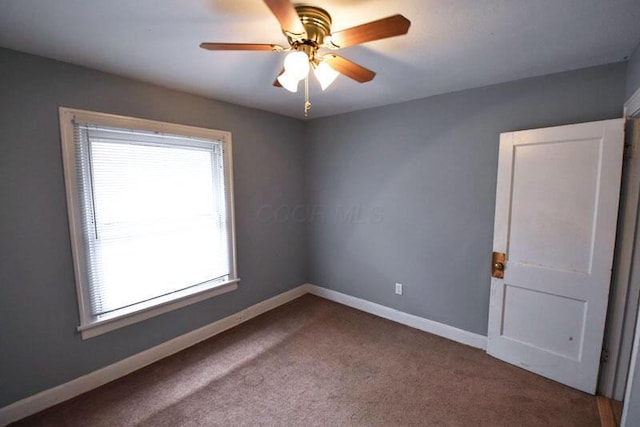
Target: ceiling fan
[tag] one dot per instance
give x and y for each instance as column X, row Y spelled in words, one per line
column 308, row 29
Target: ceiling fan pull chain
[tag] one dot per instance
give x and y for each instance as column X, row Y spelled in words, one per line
column 307, row 104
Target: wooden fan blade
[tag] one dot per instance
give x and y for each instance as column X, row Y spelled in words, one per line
column 381, row 29
column 287, row 16
column 241, row 46
column 276, row 83
column 349, row 68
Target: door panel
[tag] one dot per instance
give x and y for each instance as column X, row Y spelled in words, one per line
column 556, row 210
column 525, row 322
column 553, row 211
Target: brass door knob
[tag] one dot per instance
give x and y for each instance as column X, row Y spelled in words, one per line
column 497, row 264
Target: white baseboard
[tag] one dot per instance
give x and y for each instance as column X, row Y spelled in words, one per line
column 436, row 328
column 53, row 396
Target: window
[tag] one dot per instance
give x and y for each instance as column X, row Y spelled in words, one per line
column 151, row 216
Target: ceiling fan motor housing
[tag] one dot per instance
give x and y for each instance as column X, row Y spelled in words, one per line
column 317, row 24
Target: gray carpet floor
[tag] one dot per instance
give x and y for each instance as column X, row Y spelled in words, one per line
column 316, row 363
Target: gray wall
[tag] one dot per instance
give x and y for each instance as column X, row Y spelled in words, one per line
column 633, row 72
column 419, row 179
column 399, row 193
column 39, row 345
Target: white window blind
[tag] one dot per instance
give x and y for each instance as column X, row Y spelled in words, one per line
column 153, row 221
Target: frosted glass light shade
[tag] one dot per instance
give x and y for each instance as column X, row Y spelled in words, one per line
column 296, row 64
column 288, row 82
column 325, row 74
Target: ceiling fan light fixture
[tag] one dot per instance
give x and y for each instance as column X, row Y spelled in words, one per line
column 308, row 29
column 325, row 74
column 288, row 81
column 296, row 64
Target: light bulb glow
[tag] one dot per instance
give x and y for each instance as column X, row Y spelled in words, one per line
column 325, row 74
column 288, row 82
column 296, row 64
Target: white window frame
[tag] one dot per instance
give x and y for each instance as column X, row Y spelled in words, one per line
column 89, row 326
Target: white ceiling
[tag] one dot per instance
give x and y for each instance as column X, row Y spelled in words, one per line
column 451, row 45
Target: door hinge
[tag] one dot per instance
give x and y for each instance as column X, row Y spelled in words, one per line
column 631, row 139
column 604, row 356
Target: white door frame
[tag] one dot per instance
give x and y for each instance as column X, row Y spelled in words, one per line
column 625, row 288
column 632, row 109
column 631, row 394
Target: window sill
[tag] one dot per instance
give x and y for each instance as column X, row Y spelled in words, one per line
column 116, row 321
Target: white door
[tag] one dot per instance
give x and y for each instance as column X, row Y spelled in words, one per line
column 556, row 211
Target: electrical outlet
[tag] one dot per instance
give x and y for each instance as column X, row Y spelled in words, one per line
column 398, row 288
